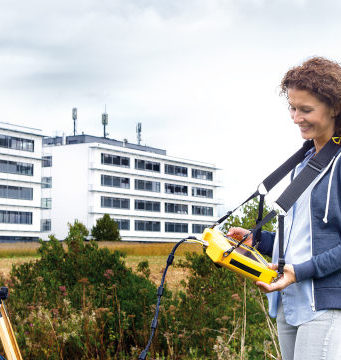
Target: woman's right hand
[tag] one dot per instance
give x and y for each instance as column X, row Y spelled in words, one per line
column 238, row 233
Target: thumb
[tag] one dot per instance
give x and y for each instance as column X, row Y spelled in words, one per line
column 273, row 266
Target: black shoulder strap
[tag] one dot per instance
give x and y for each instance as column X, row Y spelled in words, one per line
column 313, row 168
column 275, row 177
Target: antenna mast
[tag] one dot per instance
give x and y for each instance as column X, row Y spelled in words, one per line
column 138, row 132
column 74, row 117
column 105, row 120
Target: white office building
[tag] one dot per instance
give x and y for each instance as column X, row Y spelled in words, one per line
column 20, row 183
column 152, row 196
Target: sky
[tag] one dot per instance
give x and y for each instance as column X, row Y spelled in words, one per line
column 202, row 76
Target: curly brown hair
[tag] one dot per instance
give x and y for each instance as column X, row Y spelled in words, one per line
column 322, row 78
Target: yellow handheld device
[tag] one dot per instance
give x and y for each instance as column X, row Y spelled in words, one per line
column 244, row 259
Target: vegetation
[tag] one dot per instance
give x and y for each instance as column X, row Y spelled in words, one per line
column 79, row 301
column 106, row 229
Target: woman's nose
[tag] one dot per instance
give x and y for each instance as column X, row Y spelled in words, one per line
column 297, row 117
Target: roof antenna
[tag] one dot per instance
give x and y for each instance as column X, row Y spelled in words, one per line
column 105, row 121
column 138, row 132
column 74, row 117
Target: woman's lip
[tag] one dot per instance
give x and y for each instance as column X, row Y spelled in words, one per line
column 305, row 128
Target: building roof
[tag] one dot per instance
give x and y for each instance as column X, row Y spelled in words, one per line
column 81, row 139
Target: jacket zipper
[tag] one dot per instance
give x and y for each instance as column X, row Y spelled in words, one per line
column 313, row 308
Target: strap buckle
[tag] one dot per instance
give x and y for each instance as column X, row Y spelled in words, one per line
column 315, row 165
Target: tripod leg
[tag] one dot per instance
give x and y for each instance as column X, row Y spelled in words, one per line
column 7, row 336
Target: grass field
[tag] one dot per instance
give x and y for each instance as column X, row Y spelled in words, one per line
column 155, row 253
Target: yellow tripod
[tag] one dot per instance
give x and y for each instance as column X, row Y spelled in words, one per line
column 7, row 337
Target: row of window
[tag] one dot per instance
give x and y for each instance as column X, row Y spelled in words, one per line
column 154, row 186
column 11, row 142
column 155, row 206
column 117, row 160
column 155, row 226
column 15, row 217
column 140, row 225
column 13, row 167
column 16, row 192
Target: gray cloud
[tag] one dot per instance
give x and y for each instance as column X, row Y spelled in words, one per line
column 201, row 75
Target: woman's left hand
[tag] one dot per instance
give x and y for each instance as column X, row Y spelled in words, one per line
column 285, row 280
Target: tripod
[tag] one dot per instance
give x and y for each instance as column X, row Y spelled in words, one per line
column 7, row 337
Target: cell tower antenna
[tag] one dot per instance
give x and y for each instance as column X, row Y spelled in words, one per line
column 105, row 120
column 74, row 117
column 138, row 132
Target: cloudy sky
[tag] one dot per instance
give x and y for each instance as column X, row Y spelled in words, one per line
column 201, row 75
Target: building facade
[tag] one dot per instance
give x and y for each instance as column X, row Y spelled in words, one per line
column 20, row 183
column 152, row 196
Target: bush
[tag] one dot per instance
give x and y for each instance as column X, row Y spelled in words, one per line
column 106, row 229
column 79, row 302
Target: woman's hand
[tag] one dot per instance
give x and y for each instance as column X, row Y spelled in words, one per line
column 238, row 233
column 285, row 280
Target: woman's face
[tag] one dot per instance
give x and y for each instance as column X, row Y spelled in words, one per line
column 314, row 118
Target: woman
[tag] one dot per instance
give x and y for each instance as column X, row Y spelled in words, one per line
column 306, row 300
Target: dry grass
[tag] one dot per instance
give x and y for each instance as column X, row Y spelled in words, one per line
column 21, row 249
column 157, row 265
column 150, row 249
column 155, row 253
column 6, row 263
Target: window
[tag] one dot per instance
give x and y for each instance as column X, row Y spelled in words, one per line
column 123, row 224
column 15, row 217
column 12, row 167
column 115, row 160
column 176, row 227
column 202, row 210
column 16, row 192
column 147, row 165
column 202, row 174
column 16, row 143
column 175, row 170
column 47, row 161
column 46, row 203
column 147, row 205
column 45, row 225
column 176, row 189
column 141, row 225
column 147, row 185
column 199, row 228
column 115, row 203
column 201, row 192
column 176, row 208
column 46, row 182
column 115, row 181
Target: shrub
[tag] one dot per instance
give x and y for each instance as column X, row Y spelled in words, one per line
column 106, row 229
column 79, row 302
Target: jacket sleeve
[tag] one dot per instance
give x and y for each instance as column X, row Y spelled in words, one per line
column 320, row 265
column 266, row 244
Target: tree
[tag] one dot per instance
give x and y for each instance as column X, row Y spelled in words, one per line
column 106, row 229
column 248, row 215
